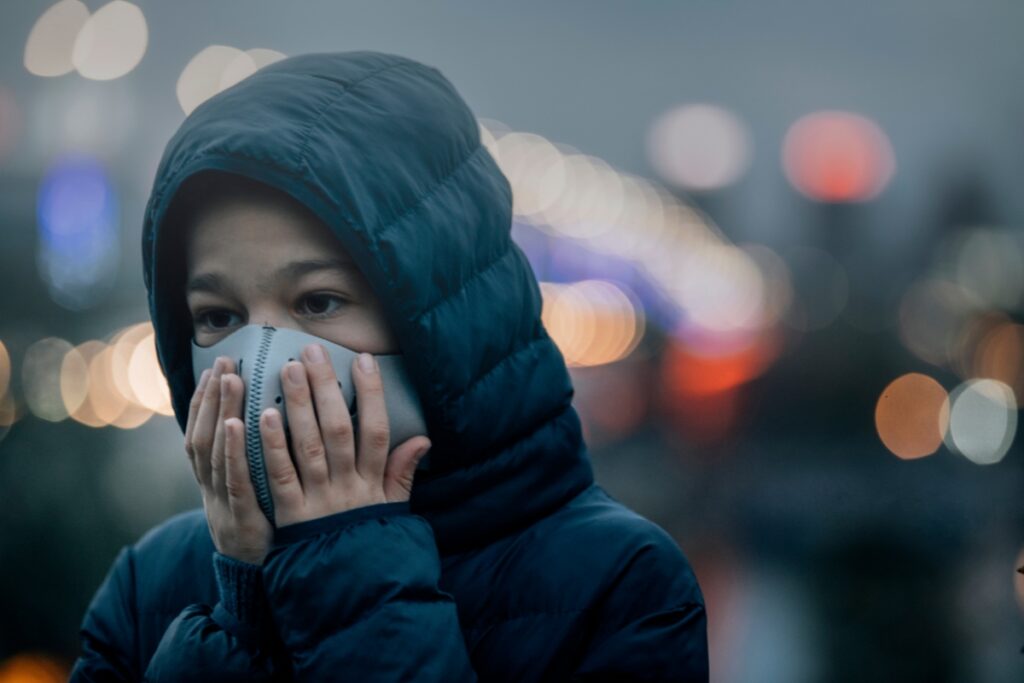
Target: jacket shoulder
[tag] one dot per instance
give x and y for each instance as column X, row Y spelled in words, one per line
column 173, row 563
column 620, row 546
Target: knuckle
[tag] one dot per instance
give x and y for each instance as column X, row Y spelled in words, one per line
column 235, row 489
column 337, row 430
column 201, row 445
column 313, row 449
column 378, row 436
column 283, row 476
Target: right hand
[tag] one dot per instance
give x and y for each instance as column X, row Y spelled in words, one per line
column 215, row 443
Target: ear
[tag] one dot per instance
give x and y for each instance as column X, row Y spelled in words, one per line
column 401, row 468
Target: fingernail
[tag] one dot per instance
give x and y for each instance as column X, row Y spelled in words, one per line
column 218, row 365
column 315, row 353
column 224, row 386
column 295, row 372
column 272, row 418
column 203, row 378
column 366, row 363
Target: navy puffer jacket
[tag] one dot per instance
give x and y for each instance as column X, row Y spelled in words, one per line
column 508, row 563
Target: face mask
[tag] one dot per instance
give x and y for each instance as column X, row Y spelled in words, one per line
column 260, row 353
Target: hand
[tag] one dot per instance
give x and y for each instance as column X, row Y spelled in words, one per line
column 215, row 443
column 328, row 474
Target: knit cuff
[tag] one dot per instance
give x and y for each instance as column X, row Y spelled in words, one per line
column 240, row 587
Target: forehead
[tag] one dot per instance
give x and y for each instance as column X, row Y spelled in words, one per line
column 246, row 232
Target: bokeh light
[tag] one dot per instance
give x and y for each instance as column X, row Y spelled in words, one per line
column 146, row 379
column 912, row 415
column 694, row 371
column 990, row 265
column 52, row 39
column 246, row 64
column 836, row 156
column 80, row 385
column 931, row 319
column 32, row 667
column 112, row 41
column 1000, row 356
column 5, row 369
column 721, row 288
column 216, row 68
column 982, row 421
column 78, row 236
column 200, row 79
column 699, row 147
column 40, row 378
column 593, row 322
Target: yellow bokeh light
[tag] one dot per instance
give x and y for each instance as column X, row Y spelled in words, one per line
column 112, row 42
column 593, row 322
column 124, row 344
column 5, row 369
column 201, row 77
column 40, row 378
column 912, row 415
column 246, row 64
column 146, row 378
column 1000, row 356
column 52, row 39
column 74, row 380
column 107, row 402
column 74, row 383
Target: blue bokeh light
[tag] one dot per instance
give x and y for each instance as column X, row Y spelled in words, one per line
column 77, row 215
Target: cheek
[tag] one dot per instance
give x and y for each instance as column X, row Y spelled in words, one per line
column 363, row 330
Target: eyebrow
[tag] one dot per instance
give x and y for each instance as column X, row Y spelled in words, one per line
column 214, row 283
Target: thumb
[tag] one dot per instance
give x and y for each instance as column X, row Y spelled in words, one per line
column 401, row 468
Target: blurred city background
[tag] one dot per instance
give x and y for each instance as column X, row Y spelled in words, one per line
column 780, row 243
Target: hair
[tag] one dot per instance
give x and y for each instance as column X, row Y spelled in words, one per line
column 209, row 190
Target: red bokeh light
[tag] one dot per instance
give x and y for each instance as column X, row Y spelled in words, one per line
column 837, row 157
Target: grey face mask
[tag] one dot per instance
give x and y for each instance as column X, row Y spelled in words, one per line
column 260, row 353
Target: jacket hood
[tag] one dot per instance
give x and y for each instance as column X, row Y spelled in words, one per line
column 386, row 153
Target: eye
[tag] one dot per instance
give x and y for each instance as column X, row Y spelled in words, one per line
column 320, row 304
column 216, row 319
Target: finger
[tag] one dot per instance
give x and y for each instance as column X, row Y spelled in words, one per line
column 206, row 424
column 193, row 412
column 241, row 496
column 307, row 445
column 374, row 432
column 398, row 478
column 231, row 389
column 285, row 488
column 331, row 412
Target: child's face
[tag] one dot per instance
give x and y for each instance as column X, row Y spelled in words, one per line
column 268, row 262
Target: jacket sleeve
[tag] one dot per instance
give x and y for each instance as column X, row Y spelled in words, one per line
column 354, row 596
column 201, row 643
column 652, row 626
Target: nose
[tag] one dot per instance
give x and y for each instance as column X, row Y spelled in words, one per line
column 270, row 315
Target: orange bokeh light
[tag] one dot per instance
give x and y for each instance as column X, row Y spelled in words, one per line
column 1000, row 356
column 32, row 668
column 912, row 415
column 837, row 156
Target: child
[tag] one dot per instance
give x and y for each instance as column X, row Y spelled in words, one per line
column 347, row 196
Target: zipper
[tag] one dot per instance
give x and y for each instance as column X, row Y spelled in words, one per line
column 253, row 442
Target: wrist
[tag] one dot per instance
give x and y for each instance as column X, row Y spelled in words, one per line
column 240, row 589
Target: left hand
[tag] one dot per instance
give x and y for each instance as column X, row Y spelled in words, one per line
column 332, row 473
